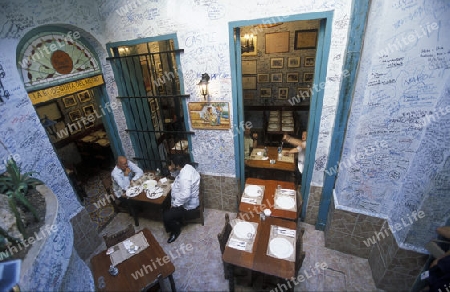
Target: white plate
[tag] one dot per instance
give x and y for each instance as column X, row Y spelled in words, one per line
column 149, row 184
column 287, row 128
column 273, row 119
column 285, row 202
column 273, row 126
column 253, row 191
column 281, row 247
column 244, row 230
column 133, row 191
column 154, row 194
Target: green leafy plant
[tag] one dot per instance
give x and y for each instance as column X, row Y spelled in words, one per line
column 15, row 185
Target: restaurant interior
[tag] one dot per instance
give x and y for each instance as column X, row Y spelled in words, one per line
column 148, row 80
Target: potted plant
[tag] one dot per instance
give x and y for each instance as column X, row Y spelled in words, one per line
column 15, row 186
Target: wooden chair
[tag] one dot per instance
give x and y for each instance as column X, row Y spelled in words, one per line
column 119, row 236
column 197, row 215
column 107, row 184
column 223, row 238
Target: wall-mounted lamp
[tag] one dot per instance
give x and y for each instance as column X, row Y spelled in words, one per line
column 247, row 45
column 203, row 84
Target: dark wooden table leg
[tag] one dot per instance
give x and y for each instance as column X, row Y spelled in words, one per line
column 231, row 278
column 172, row 283
column 133, row 212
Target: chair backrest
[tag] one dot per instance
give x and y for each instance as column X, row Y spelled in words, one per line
column 119, row 236
column 225, row 233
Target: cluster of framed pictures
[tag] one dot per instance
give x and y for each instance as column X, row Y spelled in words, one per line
column 276, row 78
column 283, row 93
column 292, row 62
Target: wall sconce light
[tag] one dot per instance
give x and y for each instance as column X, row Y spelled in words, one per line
column 247, row 46
column 203, row 84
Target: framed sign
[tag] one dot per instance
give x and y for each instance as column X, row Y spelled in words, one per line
column 276, row 77
column 263, row 78
column 293, row 62
column 84, row 96
column 308, row 77
column 69, row 101
column 292, row 77
column 249, row 95
column 283, row 92
column 75, row 115
column 265, row 92
column 309, row 62
column 249, row 67
column 305, row 39
column 276, row 63
column 209, row 115
column 248, row 82
column 277, row 42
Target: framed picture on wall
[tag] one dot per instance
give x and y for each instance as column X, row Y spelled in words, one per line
column 305, row 39
column 75, row 115
column 276, row 77
column 249, row 95
column 248, row 67
column 276, row 63
column 309, row 62
column 283, row 92
column 263, row 78
column 249, row 82
column 89, row 114
column 293, row 62
column 69, row 101
column 84, row 96
column 214, row 115
column 277, row 42
column 291, row 77
column 249, row 45
column 308, row 77
column 265, row 92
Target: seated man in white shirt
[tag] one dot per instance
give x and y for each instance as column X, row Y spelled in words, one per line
column 300, row 147
column 185, row 195
column 122, row 175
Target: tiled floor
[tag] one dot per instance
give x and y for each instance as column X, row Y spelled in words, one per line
column 201, row 269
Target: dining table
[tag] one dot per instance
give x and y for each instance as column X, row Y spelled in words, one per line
column 137, row 268
column 280, row 197
column 267, row 246
column 284, row 162
column 154, row 193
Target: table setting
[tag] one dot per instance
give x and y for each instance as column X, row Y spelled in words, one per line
column 127, row 248
column 282, row 243
column 285, row 199
column 253, row 194
column 243, row 235
column 152, row 188
column 258, row 154
column 286, row 156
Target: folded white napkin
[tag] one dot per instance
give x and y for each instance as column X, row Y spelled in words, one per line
column 237, row 244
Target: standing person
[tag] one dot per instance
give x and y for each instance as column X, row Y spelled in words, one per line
column 123, row 173
column 185, row 195
column 250, row 142
column 300, row 146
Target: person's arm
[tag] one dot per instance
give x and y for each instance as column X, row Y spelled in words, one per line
column 138, row 172
column 255, row 139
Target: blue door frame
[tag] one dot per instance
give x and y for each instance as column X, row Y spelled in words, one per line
column 323, row 46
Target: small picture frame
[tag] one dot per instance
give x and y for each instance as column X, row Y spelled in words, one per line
column 283, row 92
column 249, row 95
column 89, row 113
column 69, row 101
column 276, row 63
column 309, row 62
column 304, row 92
column 265, row 92
column 291, row 77
column 276, row 77
column 248, row 67
column 263, row 78
column 308, row 77
column 305, row 39
column 293, row 62
column 75, row 115
column 248, row 82
column 84, row 96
